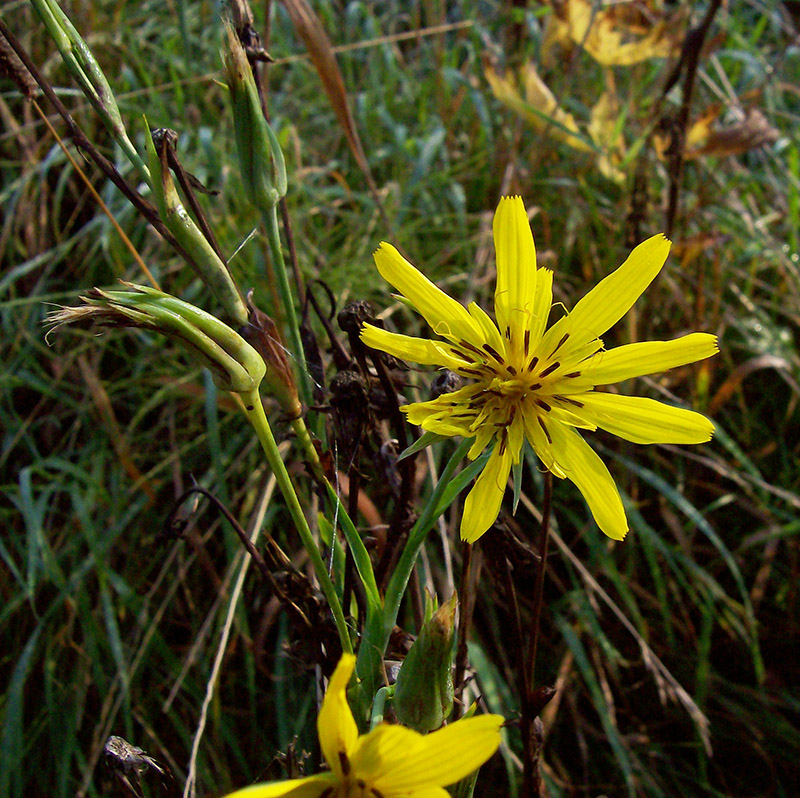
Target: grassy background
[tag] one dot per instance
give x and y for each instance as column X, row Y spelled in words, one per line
column 108, row 627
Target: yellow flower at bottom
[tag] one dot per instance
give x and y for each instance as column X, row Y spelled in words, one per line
column 389, row 761
column 536, row 384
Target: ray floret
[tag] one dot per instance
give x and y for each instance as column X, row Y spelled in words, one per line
column 531, row 383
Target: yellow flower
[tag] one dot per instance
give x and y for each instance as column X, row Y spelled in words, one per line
column 535, row 384
column 389, row 761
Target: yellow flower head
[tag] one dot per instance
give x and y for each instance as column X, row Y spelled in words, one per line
column 389, row 761
column 533, row 384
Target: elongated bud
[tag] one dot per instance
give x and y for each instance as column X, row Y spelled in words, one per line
column 423, row 693
column 235, row 365
column 261, row 163
column 84, row 68
column 173, row 213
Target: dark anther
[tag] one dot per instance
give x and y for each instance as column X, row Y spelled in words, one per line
column 559, row 344
column 532, row 365
column 508, row 333
column 572, row 374
column 344, row 762
column 573, row 402
column 544, row 428
column 535, row 386
column 546, row 407
column 471, row 348
column 526, row 342
column 445, row 382
column 494, row 353
column 550, row 369
column 511, row 370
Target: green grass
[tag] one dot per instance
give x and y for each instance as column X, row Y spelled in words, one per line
column 103, row 619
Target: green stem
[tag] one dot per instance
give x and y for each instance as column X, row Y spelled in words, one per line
column 257, row 417
column 287, row 300
column 370, row 652
column 416, row 537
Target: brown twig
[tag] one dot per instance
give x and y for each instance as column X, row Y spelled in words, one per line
column 687, row 65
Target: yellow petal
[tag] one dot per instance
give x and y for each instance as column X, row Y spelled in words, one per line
column 311, row 787
column 648, row 357
column 445, row 423
column 335, row 723
column 483, row 501
column 641, row 420
column 589, row 474
column 444, row 315
column 488, row 328
column 516, row 264
column 610, row 299
column 417, row 412
column 540, row 310
column 406, row 763
column 406, row 347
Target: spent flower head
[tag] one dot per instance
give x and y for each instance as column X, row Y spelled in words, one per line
column 389, row 761
column 537, row 384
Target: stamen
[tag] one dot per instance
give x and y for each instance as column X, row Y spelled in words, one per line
column 494, row 353
column 375, row 792
column 560, row 344
column 344, row 762
column 526, row 342
column 474, row 372
column 508, row 333
column 550, row 369
column 572, row 374
column 504, row 442
column 544, row 428
column 546, row 407
column 567, row 399
column 535, row 386
column 511, row 370
column 471, row 348
column 532, row 365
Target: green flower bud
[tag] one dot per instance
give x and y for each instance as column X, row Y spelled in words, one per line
column 260, row 154
column 235, row 365
column 423, row 693
column 82, row 65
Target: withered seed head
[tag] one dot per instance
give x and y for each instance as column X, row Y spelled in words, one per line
column 354, row 314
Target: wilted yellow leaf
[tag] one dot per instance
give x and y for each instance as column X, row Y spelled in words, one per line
column 536, row 104
column 751, row 132
column 614, row 35
column 606, row 133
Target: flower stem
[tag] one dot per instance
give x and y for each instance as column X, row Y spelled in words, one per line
column 257, row 417
column 531, row 702
column 464, row 620
column 416, row 537
column 287, row 301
